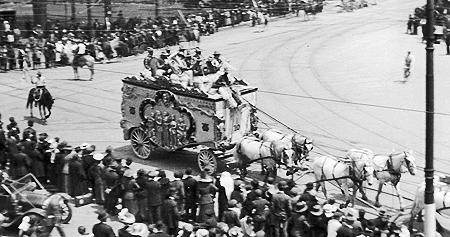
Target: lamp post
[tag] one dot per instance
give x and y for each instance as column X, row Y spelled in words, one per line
column 430, row 207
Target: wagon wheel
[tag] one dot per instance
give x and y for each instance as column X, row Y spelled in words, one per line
column 207, row 161
column 141, row 144
column 66, row 212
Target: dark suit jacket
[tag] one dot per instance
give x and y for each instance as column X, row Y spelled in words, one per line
column 37, row 163
column 20, row 164
column 190, row 189
column 345, row 231
column 170, row 214
column 281, row 203
column 102, row 230
column 27, row 131
column 153, row 193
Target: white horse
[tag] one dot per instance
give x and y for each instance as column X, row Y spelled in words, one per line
column 345, row 173
column 388, row 169
column 251, row 149
column 441, row 200
column 300, row 144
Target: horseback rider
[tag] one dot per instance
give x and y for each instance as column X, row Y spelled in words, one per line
column 39, row 82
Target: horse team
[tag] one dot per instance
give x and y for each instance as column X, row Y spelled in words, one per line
column 274, row 148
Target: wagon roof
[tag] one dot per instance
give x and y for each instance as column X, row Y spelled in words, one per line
column 179, row 90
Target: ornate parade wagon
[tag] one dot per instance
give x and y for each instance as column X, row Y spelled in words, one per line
column 159, row 114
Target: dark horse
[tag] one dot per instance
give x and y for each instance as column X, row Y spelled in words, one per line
column 84, row 60
column 43, row 99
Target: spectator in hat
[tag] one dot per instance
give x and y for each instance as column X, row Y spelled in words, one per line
column 109, row 157
column 178, row 185
column 170, row 213
column 317, row 221
column 165, row 183
column 78, row 177
column 129, row 188
column 128, row 220
column 328, row 211
column 238, row 192
column 210, row 221
column 141, row 195
column 112, row 189
column 95, row 174
column 154, row 197
column 307, row 197
column 362, row 219
column 297, row 224
column 20, row 163
column 38, row 165
column 382, row 221
column 281, row 208
column 13, row 128
column 259, row 210
column 206, row 190
column 334, row 224
column 346, row 230
column 190, row 192
column 231, row 217
column 102, row 229
column 29, row 130
column 158, row 230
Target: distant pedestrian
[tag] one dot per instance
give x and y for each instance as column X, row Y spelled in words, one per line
column 408, row 62
column 190, row 191
column 409, row 25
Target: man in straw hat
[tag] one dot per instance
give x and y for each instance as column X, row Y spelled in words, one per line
column 317, row 221
column 334, row 224
column 297, row 223
column 95, row 175
column 346, row 230
column 102, row 229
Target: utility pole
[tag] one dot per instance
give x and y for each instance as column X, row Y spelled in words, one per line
column 156, row 9
column 89, row 14
column 73, row 11
column 430, row 207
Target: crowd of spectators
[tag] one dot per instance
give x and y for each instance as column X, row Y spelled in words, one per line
column 53, row 45
column 149, row 203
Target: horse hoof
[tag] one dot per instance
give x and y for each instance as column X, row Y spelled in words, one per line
column 377, row 204
column 365, row 198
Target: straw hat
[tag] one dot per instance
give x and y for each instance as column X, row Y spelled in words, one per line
column 300, row 207
column 328, row 209
column 126, row 217
column 316, row 210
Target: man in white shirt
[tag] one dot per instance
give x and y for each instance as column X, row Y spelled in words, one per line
column 334, row 224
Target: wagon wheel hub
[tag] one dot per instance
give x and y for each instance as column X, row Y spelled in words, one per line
column 207, row 161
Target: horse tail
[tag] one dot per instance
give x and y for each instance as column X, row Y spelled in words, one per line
column 30, row 99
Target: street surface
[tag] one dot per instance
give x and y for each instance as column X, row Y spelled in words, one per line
column 336, row 79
